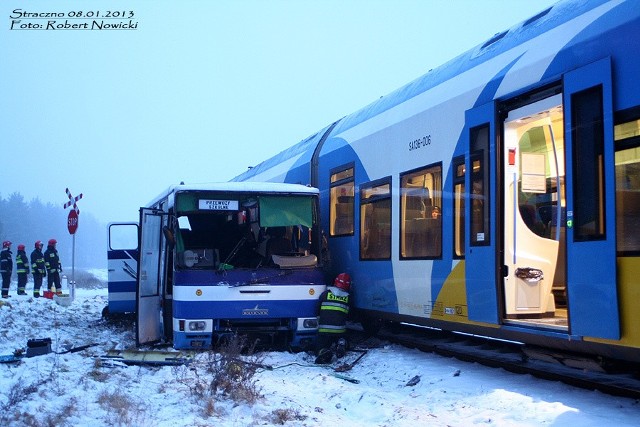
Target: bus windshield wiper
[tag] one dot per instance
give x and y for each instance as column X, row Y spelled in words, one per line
column 259, row 280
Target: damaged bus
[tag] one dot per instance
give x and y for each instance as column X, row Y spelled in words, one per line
column 220, row 259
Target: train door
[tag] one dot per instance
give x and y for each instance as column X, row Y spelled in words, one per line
column 534, row 234
column 559, row 208
column 591, row 202
column 481, row 263
column 149, row 293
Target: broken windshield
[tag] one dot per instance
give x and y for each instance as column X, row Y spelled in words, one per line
column 225, row 231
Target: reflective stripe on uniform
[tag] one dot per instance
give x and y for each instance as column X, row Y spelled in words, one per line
column 340, row 309
column 334, row 306
column 331, row 329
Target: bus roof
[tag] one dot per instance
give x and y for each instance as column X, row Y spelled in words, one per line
column 239, row 187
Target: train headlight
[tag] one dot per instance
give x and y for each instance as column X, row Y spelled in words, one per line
column 197, row 325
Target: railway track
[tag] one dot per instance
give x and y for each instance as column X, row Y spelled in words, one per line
column 578, row 371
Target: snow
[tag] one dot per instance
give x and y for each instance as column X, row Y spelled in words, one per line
column 86, row 388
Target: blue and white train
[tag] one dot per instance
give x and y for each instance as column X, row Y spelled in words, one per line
column 498, row 194
column 213, row 260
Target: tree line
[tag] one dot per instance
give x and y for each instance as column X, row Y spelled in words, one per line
column 23, row 222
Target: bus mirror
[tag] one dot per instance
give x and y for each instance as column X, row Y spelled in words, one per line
column 168, row 234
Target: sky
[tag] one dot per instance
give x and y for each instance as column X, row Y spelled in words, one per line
column 93, row 387
column 197, row 91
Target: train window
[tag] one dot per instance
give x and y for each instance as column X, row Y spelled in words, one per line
column 588, row 167
column 629, row 131
column 458, row 207
column 494, row 39
column 536, row 17
column 420, row 213
column 627, row 136
column 375, row 220
column 341, row 210
column 479, row 163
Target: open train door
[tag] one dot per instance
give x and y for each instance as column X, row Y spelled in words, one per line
column 149, row 297
column 591, row 226
column 481, row 268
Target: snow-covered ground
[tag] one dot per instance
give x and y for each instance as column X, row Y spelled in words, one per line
column 86, row 389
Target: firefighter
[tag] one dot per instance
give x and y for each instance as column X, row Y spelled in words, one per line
column 6, row 267
column 332, row 322
column 52, row 263
column 22, row 268
column 37, row 268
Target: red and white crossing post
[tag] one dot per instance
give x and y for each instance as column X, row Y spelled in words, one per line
column 72, row 226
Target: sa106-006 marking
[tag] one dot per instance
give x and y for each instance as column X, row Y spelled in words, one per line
column 425, row 141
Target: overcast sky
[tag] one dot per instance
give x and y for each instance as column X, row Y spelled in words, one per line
column 198, row 91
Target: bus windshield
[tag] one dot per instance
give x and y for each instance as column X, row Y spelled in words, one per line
column 222, row 231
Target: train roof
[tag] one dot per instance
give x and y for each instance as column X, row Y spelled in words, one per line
column 298, row 153
column 500, row 43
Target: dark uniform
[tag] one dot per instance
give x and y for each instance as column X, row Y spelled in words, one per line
column 332, row 323
column 52, row 263
column 38, row 268
column 6, row 267
column 22, row 268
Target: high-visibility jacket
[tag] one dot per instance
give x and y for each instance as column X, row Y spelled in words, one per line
column 22, row 263
column 334, row 309
column 6, row 262
column 37, row 262
column 52, row 260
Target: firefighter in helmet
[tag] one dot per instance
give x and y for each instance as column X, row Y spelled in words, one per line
column 332, row 322
column 52, row 263
column 38, row 268
column 22, row 268
column 6, row 267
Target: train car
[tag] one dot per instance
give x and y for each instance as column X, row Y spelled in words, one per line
column 214, row 260
column 499, row 193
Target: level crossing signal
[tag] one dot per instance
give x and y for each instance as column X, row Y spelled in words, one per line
column 72, row 201
column 72, row 219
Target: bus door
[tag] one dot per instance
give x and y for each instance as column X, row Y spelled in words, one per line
column 481, row 266
column 122, row 264
column 591, row 224
column 149, row 292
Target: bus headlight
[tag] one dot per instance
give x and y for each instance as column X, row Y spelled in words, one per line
column 310, row 323
column 198, row 325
